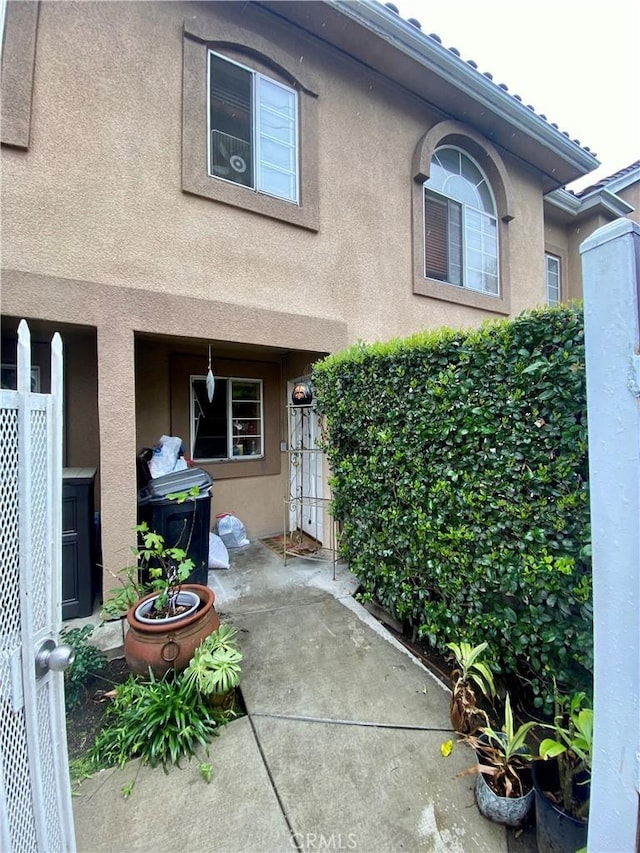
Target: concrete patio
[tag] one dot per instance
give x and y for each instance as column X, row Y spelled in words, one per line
column 339, row 749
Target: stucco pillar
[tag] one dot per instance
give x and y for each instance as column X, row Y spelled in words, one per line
column 116, row 416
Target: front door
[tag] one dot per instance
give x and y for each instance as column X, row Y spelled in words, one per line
column 305, row 470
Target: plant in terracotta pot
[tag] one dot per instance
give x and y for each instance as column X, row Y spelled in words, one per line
column 169, row 622
column 504, row 790
column 214, row 670
column 563, row 775
column 158, row 568
column 469, row 671
column 167, row 569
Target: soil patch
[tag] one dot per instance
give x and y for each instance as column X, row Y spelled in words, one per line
column 85, row 721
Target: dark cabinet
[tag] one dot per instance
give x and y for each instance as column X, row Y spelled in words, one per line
column 78, row 552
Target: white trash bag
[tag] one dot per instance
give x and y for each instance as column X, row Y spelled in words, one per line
column 166, row 456
column 218, row 554
column 232, row 531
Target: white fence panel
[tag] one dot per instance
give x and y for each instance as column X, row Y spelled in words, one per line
column 35, row 797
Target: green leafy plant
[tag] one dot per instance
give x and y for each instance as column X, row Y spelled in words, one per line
column 120, row 599
column 79, row 770
column 168, row 568
column 88, row 662
column 224, row 637
column 206, row 771
column 572, row 746
column 471, row 668
column 159, row 720
column 127, row 789
column 165, row 567
column 215, row 668
column 466, row 717
column 461, row 488
column 504, row 755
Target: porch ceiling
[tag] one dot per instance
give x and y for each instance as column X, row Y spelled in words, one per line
column 219, row 348
column 45, row 328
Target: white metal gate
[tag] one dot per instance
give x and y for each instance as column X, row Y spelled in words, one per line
column 306, row 511
column 35, row 795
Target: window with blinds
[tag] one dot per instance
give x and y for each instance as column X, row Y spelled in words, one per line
column 443, row 246
column 460, row 224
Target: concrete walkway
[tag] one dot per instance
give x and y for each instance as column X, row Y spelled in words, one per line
column 340, row 748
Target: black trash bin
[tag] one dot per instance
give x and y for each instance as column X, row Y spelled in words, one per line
column 181, row 525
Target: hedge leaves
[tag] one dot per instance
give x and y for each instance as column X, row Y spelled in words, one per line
column 459, row 477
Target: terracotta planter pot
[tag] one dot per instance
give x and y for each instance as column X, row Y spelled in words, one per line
column 169, row 645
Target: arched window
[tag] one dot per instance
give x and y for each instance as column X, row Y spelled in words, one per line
column 460, row 223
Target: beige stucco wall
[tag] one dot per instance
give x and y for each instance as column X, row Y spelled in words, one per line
column 102, row 179
column 632, row 196
column 564, row 235
column 557, row 242
column 96, row 229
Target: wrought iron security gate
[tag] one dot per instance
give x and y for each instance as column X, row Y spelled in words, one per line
column 305, row 472
column 35, row 796
column 309, row 529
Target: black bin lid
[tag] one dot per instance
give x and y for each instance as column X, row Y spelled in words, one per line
column 177, row 481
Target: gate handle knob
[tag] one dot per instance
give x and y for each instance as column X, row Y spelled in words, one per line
column 52, row 657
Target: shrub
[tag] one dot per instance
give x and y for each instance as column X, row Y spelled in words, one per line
column 159, row 721
column 88, row 662
column 459, row 477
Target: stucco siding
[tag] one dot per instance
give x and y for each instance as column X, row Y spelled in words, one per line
column 99, row 229
column 631, row 195
column 102, row 179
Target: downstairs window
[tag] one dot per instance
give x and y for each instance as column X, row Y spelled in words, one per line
column 231, row 426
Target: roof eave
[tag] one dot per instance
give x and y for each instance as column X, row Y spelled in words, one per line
column 602, row 201
column 616, row 185
column 449, row 67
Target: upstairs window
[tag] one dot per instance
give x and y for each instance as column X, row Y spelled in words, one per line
column 231, row 426
column 253, row 130
column 552, row 276
column 460, row 224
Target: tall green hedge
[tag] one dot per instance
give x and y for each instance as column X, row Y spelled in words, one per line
column 459, row 476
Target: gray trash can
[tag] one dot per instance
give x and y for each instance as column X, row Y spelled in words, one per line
column 182, row 525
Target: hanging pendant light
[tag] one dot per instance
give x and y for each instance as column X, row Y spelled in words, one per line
column 211, row 382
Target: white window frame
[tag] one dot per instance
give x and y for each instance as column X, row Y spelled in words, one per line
column 3, row 18
column 257, row 134
column 231, row 442
column 465, row 227
column 550, row 258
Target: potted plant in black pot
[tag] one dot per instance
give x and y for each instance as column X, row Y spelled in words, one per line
column 504, row 790
column 562, row 777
